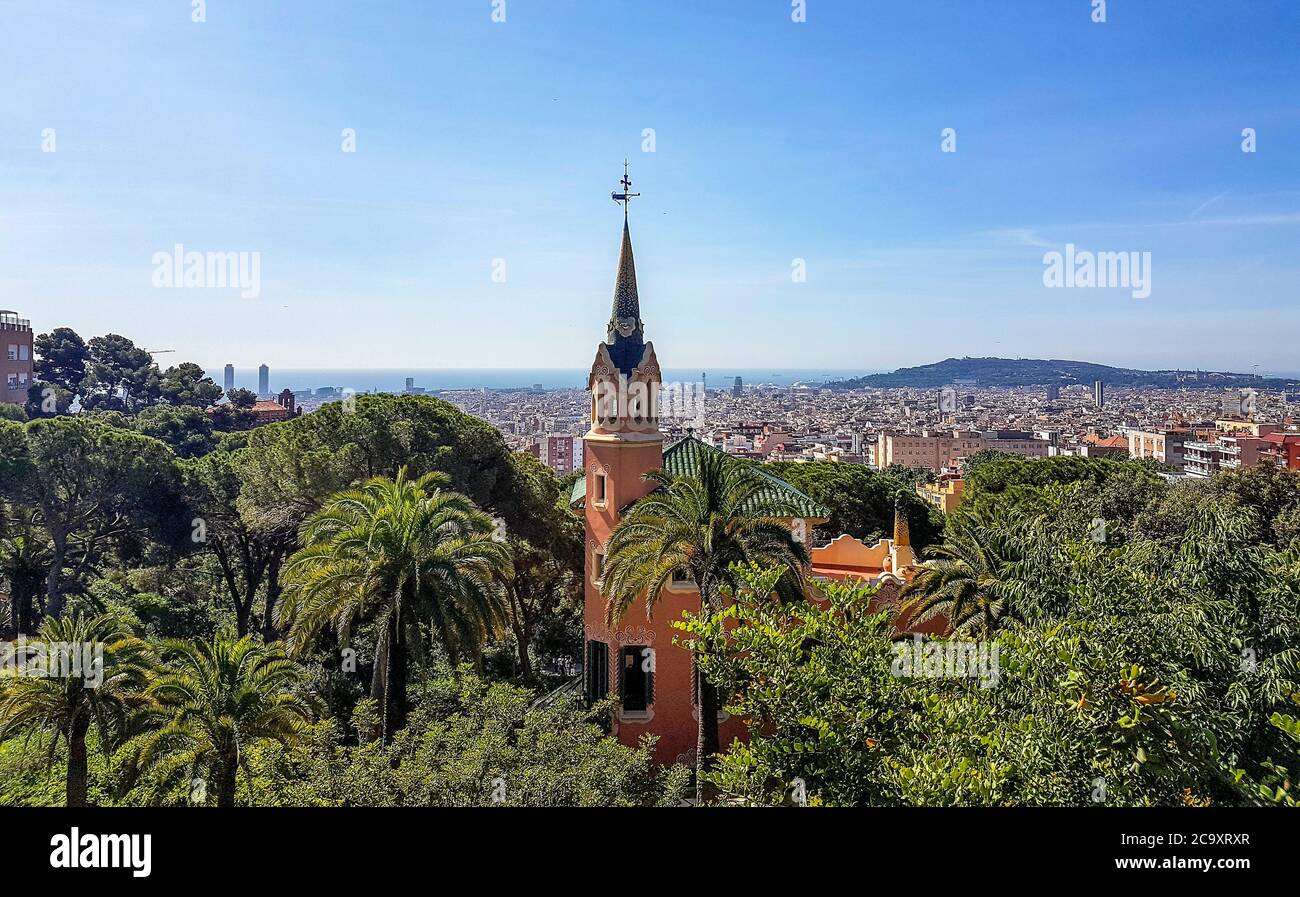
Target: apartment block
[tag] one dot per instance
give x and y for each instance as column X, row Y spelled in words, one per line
column 16, row 370
column 561, row 452
column 1165, row 446
column 943, row 451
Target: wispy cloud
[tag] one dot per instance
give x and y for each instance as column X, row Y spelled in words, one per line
column 1205, row 205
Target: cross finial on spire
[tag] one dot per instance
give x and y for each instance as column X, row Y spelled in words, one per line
column 626, row 195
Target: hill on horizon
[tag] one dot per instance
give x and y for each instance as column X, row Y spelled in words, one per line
column 1008, row 372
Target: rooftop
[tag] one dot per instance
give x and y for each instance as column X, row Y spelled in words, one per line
column 682, row 458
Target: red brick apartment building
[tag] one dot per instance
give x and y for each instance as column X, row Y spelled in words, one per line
column 16, row 360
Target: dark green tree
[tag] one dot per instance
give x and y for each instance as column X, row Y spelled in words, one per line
column 61, row 358
column 186, row 430
column 120, row 376
column 187, row 384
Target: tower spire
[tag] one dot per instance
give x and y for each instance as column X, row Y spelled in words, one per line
column 625, row 336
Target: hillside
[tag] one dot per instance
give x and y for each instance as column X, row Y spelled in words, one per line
column 1041, row 372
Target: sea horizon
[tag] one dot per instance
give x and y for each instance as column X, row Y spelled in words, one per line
column 393, row 380
column 364, row 380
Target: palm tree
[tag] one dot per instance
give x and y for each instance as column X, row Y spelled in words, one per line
column 93, row 672
column 24, row 562
column 216, row 699
column 975, row 578
column 703, row 524
column 397, row 553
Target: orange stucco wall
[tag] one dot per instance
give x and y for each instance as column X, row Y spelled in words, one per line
column 671, row 716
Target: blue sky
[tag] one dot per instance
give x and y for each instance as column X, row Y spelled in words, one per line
column 774, row 141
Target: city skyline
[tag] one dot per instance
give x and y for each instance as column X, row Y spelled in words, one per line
column 775, row 143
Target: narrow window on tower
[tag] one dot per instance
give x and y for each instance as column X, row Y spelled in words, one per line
column 601, row 486
column 597, row 671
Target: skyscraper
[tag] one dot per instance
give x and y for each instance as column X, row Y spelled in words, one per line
column 1053, row 392
column 739, row 388
column 229, row 384
column 1099, row 394
column 263, row 381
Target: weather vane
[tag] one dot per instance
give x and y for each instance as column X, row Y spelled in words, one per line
column 625, row 196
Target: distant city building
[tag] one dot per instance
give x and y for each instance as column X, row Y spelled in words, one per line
column 16, row 374
column 1099, row 394
column 1281, row 449
column 561, row 452
column 283, row 407
column 1053, row 392
column 940, row 452
column 1104, row 447
column 738, row 389
column 229, row 381
column 945, row 494
column 1165, row 446
column 1201, row 459
column 268, row 411
column 264, row 381
column 1236, row 426
column 1205, row 458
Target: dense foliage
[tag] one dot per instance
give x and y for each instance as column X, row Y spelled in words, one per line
column 1143, row 670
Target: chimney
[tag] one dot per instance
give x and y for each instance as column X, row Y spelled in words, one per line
column 902, row 537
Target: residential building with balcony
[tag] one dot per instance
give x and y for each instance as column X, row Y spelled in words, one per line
column 1202, row 459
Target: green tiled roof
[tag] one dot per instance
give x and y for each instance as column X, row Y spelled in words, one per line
column 682, row 458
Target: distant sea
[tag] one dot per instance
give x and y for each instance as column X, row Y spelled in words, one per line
column 394, row 380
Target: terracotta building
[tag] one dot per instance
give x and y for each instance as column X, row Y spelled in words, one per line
column 15, row 358
column 634, row 659
column 888, row 564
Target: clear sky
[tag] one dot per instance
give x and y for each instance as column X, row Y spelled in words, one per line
column 774, row 141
